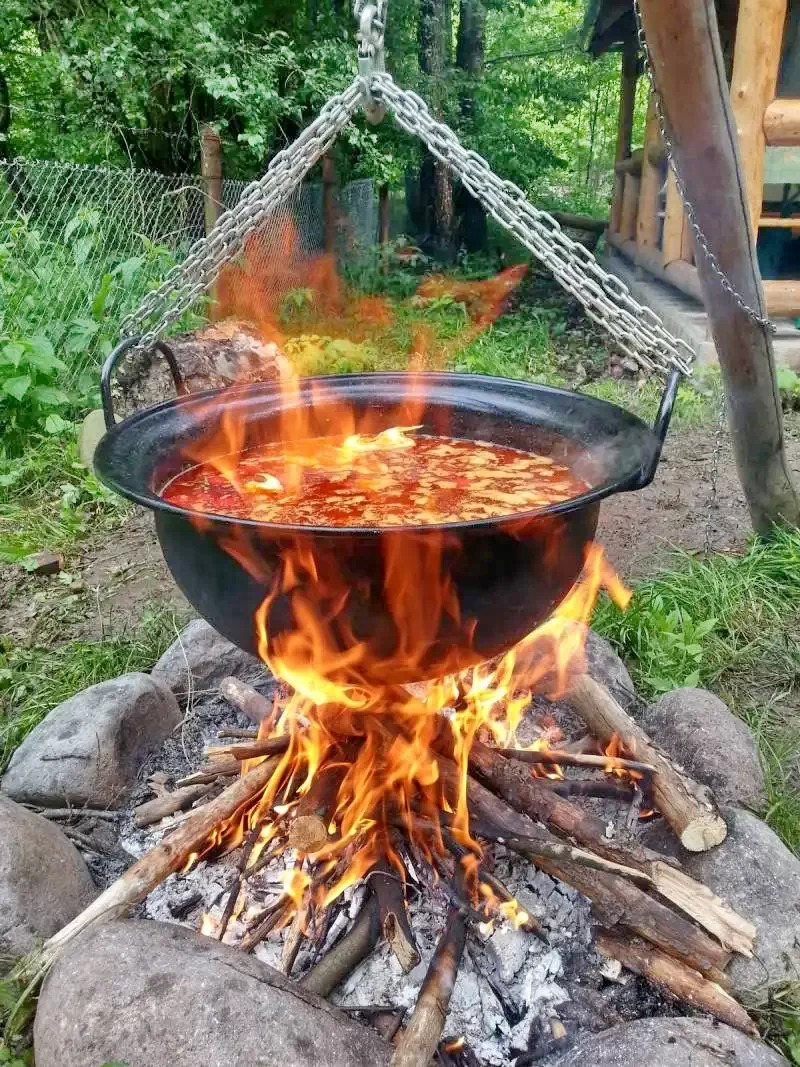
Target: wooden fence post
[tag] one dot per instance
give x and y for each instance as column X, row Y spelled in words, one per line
column 211, row 172
column 690, row 73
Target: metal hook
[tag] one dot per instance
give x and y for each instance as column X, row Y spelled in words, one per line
column 371, row 56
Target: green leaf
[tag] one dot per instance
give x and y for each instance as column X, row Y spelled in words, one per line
column 49, row 395
column 100, row 297
column 17, row 387
column 41, row 345
column 12, row 354
column 81, row 249
column 128, row 268
column 54, row 424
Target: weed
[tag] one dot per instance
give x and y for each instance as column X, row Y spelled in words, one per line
column 34, row 680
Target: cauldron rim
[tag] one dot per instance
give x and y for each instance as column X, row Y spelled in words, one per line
column 635, row 476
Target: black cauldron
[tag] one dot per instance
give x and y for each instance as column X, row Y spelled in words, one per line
column 509, row 573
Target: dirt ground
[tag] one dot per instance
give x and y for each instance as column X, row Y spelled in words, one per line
column 117, row 579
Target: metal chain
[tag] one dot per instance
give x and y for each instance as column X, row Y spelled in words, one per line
column 187, row 282
column 637, row 330
column 700, row 238
column 606, row 299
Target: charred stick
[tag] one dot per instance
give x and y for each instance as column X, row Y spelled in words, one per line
column 345, row 956
column 294, row 938
column 424, row 1030
column 248, row 700
column 598, row 790
column 208, row 773
column 270, row 746
column 232, row 731
column 67, row 814
column 389, row 888
column 236, row 887
column 153, row 811
column 617, row 900
column 679, row 981
column 167, row 857
column 266, row 926
column 688, row 807
column 560, row 757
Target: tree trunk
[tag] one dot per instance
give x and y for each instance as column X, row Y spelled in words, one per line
column 472, row 233
column 436, row 183
column 690, row 73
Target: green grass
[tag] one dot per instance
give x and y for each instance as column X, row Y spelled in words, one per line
column 48, row 499
column 34, row 680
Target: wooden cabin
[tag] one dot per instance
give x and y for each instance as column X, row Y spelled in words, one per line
column 647, row 225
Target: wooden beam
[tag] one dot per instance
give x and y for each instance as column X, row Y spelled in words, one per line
column 689, row 71
column 783, row 297
column 627, row 101
column 756, row 60
column 631, row 165
column 630, row 207
column 772, row 222
column 782, row 123
column 647, row 216
column 676, row 239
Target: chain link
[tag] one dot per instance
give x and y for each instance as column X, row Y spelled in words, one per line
column 691, row 216
column 636, row 329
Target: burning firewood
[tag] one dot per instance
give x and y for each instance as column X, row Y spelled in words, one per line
column 689, row 808
column 346, row 954
column 559, row 758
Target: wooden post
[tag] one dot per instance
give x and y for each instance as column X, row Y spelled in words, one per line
column 627, row 101
column 676, row 240
column 329, row 203
column 647, row 215
column 630, row 206
column 690, row 74
column 756, row 60
column 211, row 173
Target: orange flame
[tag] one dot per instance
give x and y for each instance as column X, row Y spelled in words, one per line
column 346, row 688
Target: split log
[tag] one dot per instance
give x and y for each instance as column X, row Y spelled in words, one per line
column 561, row 758
column 153, row 811
column 246, row 699
column 688, row 807
column 615, row 899
column 420, row 1038
column 390, row 891
column 167, row 857
column 308, row 829
column 676, row 979
column 345, row 956
column 270, row 746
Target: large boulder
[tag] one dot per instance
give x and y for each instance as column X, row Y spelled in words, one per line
column 200, row 658
column 44, row 882
column 88, row 751
column 666, row 1042
column 716, row 748
column 155, row 995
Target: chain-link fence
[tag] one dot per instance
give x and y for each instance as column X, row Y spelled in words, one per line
column 81, row 242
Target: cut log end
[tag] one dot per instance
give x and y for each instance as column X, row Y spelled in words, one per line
column 308, row 833
column 704, row 832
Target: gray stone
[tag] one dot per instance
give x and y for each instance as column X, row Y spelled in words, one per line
column 155, row 995
column 44, row 882
column 758, row 876
column 200, row 658
column 88, row 751
column 604, row 665
column 716, row 748
column 664, row 1042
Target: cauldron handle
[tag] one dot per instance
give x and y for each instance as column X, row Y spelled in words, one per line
column 660, row 427
column 111, row 363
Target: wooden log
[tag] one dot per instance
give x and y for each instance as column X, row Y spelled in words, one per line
column 210, row 772
column 560, row 758
column 346, row 954
column 756, row 62
column 627, row 101
column 631, row 165
column 390, row 891
column 153, row 811
column 647, row 224
column 690, row 73
column 167, row 857
column 580, row 222
column 676, row 241
column 688, row 807
column 616, row 900
column 421, row 1036
column 211, row 173
column 676, row 979
column 782, row 122
column 783, row 296
column 630, row 207
column 308, row 829
column 678, row 273
column 246, row 699
column 270, row 746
